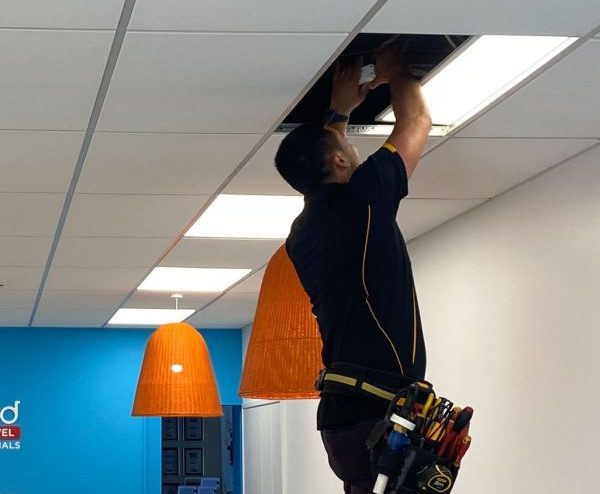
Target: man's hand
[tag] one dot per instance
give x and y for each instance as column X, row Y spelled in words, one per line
column 389, row 64
column 346, row 94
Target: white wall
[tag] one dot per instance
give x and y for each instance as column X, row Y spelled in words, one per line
column 510, row 300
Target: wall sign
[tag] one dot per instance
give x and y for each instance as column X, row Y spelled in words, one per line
column 10, row 431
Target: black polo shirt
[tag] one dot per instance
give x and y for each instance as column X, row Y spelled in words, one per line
column 352, row 261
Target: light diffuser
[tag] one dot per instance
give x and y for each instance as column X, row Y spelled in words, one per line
column 248, row 216
column 149, row 317
column 481, row 72
column 165, row 279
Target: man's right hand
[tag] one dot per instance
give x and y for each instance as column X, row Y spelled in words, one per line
column 390, row 63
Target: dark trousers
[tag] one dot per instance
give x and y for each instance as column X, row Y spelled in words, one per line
column 349, row 456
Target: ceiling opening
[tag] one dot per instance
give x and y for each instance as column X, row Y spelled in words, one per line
column 424, row 52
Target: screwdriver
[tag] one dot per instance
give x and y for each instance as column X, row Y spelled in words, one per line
column 462, row 449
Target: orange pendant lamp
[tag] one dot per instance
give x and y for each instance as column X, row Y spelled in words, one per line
column 177, row 378
column 284, row 351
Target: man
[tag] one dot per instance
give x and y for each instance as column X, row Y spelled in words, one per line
column 352, row 260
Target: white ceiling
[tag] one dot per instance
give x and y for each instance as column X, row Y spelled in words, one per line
column 197, row 89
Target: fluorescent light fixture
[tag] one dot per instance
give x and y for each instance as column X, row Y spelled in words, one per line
column 248, row 216
column 384, row 130
column 149, row 317
column 163, row 279
column 482, row 71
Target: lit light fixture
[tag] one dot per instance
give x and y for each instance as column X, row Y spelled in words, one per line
column 248, row 216
column 164, row 279
column 384, row 130
column 183, row 389
column 481, row 71
column 148, row 317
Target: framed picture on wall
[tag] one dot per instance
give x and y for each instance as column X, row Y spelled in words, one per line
column 169, row 429
column 170, row 461
column 193, row 429
column 193, row 461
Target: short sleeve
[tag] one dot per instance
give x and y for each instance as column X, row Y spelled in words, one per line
column 381, row 180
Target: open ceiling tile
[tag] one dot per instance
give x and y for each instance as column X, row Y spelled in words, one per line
column 483, row 168
column 562, row 102
column 50, row 78
column 210, row 83
column 243, row 16
column 100, row 215
column 69, row 14
column 162, row 163
column 534, row 17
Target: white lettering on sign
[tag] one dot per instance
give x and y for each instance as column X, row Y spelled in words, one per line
column 9, row 415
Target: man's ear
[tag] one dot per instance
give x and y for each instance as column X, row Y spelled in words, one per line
column 339, row 161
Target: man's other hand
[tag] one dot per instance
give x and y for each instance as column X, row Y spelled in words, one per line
column 346, row 94
column 390, row 63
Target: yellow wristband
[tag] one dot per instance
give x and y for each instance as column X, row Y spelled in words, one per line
column 390, row 147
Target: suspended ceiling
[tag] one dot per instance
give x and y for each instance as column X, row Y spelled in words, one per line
column 121, row 122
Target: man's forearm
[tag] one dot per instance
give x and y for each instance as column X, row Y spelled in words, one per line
column 408, row 103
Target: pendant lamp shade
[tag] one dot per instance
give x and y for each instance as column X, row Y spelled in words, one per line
column 177, row 378
column 284, row 351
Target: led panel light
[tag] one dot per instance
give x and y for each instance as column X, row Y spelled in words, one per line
column 149, row 317
column 248, row 216
column 164, row 279
column 482, row 71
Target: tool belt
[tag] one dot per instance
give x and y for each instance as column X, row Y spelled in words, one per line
column 418, row 446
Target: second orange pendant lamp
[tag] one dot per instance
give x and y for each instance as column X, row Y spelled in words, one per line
column 284, row 352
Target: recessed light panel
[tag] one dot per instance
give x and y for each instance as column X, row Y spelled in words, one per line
column 163, row 279
column 482, row 71
column 248, row 216
column 149, row 317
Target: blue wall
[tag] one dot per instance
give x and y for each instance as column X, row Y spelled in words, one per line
column 76, row 388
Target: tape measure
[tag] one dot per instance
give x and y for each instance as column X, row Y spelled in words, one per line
column 436, row 479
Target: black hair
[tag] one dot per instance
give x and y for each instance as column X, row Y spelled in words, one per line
column 303, row 156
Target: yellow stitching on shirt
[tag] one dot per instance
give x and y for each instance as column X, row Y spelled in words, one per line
column 367, row 292
column 390, row 147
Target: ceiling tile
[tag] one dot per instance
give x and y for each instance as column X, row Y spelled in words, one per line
column 118, row 252
column 82, row 299
column 214, row 83
column 14, row 317
column 483, row 168
column 30, row 214
column 417, row 216
column 244, row 16
column 259, row 175
column 562, row 102
column 233, row 310
column 534, row 17
column 21, row 278
column 17, row 299
column 119, row 279
column 251, row 284
column 74, row 318
column 71, row 14
column 24, row 251
column 221, row 253
column 162, row 163
column 38, row 161
column 163, row 300
column 50, row 78
column 130, row 215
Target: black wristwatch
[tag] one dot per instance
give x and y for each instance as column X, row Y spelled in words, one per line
column 331, row 117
